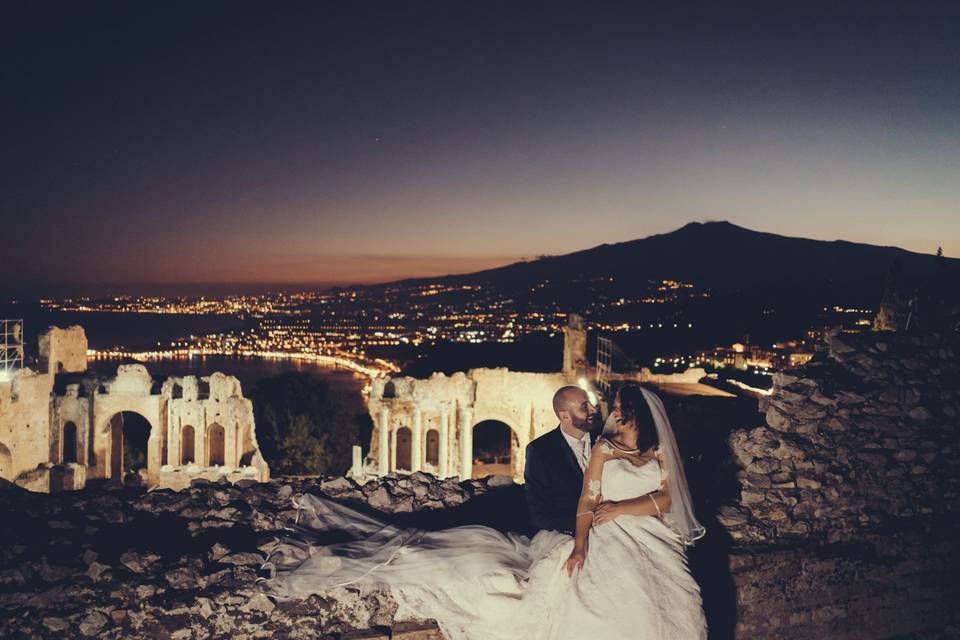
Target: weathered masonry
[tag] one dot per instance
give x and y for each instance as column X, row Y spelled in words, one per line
column 63, row 425
column 468, row 424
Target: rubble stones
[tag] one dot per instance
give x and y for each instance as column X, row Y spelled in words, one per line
column 92, row 624
column 159, row 572
column 55, row 624
column 136, row 562
column 871, row 426
column 95, row 570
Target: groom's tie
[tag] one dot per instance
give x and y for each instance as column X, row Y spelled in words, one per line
column 584, row 456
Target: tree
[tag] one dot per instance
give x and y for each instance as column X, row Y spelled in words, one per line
column 302, row 426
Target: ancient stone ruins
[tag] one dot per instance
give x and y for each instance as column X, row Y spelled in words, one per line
column 62, row 425
column 831, row 512
column 429, row 424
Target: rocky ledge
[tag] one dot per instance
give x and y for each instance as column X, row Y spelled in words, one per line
column 110, row 562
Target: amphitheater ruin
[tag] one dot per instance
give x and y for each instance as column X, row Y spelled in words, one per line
column 62, row 425
column 477, row 423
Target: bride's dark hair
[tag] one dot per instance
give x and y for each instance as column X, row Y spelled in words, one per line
column 633, row 406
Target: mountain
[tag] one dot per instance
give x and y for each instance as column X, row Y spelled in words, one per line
column 725, row 258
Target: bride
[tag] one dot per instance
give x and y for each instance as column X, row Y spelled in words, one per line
column 624, row 575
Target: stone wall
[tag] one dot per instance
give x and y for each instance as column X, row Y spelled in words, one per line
column 898, row 586
column 846, row 524
column 25, row 399
column 865, row 437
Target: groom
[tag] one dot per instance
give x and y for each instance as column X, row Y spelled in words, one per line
column 557, row 459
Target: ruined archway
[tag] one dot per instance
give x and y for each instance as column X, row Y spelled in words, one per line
column 6, row 462
column 129, row 437
column 404, row 439
column 69, row 443
column 216, row 445
column 493, row 445
column 433, row 447
column 188, row 443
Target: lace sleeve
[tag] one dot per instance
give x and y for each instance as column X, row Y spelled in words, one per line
column 604, row 447
column 590, row 495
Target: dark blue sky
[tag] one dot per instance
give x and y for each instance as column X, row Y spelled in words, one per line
column 362, row 141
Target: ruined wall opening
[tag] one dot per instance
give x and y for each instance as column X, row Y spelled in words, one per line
column 6, row 462
column 129, row 434
column 493, row 445
column 188, row 443
column 249, row 447
column 433, row 447
column 390, row 390
column 404, row 438
column 216, row 445
column 69, row 441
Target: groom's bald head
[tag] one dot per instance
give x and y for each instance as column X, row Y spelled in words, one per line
column 574, row 410
column 568, row 396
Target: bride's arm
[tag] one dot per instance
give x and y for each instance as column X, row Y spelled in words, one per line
column 589, row 498
column 651, row 504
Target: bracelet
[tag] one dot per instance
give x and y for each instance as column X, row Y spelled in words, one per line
column 584, row 513
column 659, row 514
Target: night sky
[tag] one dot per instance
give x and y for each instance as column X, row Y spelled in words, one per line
column 369, row 141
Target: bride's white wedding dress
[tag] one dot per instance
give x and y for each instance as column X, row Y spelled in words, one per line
column 480, row 584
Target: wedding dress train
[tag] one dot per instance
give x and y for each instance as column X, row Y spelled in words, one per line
column 480, row 584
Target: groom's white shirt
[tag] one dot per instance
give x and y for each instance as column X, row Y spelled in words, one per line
column 580, row 448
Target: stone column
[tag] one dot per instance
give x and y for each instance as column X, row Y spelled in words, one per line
column 174, row 439
column 444, row 449
column 356, row 469
column 383, row 454
column 416, row 435
column 200, row 438
column 466, row 443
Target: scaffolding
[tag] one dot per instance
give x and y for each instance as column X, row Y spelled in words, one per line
column 613, row 364
column 11, row 347
column 604, row 363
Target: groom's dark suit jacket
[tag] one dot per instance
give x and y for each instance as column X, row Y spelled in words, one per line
column 553, row 481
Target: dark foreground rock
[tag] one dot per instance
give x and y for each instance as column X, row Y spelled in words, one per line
column 121, row 563
column 112, row 562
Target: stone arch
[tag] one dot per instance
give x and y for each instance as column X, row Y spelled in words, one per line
column 129, row 433
column 390, row 389
column 494, row 445
column 433, row 447
column 188, row 445
column 404, row 448
column 68, row 441
column 6, row 462
column 216, row 445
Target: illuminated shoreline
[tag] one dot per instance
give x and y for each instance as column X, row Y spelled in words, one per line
column 378, row 369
